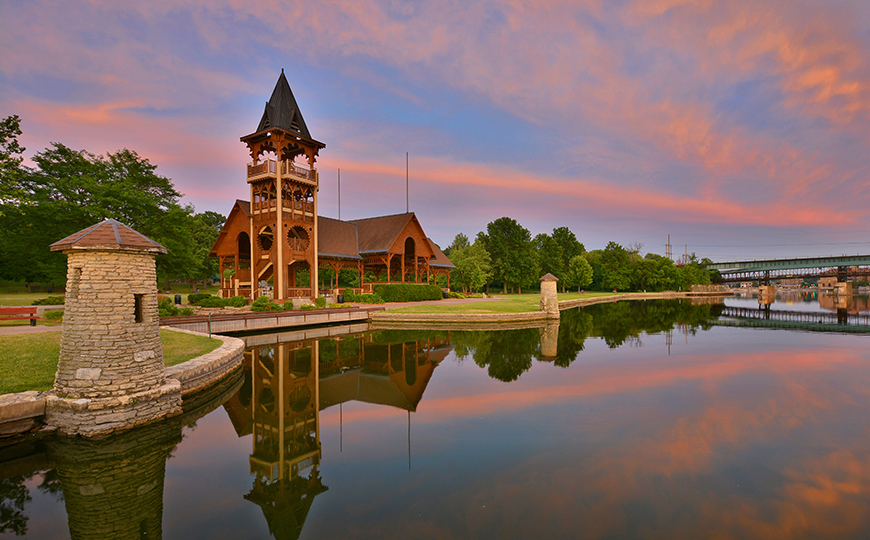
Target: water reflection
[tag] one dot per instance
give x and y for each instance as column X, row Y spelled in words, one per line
column 764, row 438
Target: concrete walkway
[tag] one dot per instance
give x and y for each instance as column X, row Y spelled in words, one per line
column 27, row 329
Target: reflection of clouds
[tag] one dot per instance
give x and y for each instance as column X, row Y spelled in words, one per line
column 748, row 445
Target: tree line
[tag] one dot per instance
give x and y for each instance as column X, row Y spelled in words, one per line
column 506, row 256
column 68, row 190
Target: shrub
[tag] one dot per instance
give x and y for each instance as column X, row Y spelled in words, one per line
column 166, row 308
column 333, row 306
column 369, row 299
column 196, row 299
column 320, row 302
column 264, row 303
column 50, row 301
column 407, row 292
column 452, row 294
column 212, row 301
column 307, row 306
column 288, row 305
column 240, row 301
column 54, row 314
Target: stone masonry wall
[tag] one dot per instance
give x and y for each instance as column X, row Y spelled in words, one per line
column 104, row 351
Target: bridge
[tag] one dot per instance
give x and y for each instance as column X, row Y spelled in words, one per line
column 839, row 322
column 765, row 270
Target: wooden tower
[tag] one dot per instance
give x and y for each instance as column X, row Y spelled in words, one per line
column 283, row 198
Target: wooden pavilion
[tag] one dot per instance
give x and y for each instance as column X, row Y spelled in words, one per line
column 278, row 232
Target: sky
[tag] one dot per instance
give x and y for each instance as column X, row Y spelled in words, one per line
column 738, row 128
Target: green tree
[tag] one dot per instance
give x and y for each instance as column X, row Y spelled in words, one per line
column 11, row 171
column 459, row 242
column 550, row 255
column 615, row 267
column 514, row 260
column 473, row 266
column 579, row 272
column 70, row 190
column 571, row 247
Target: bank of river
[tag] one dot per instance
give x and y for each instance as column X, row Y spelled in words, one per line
column 649, row 419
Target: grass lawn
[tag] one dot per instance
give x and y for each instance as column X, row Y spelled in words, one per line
column 29, row 361
column 515, row 303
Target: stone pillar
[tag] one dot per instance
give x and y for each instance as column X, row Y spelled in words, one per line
column 110, row 374
column 549, row 300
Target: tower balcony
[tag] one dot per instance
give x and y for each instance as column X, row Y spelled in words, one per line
column 289, row 169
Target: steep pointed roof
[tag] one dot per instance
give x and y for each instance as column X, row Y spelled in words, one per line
column 377, row 234
column 108, row 234
column 283, row 112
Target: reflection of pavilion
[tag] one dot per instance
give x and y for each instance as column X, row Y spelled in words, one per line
column 286, row 434
column 280, row 404
column 392, row 374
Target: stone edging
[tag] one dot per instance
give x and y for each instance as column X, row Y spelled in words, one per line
column 203, row 371
column 469, row 320
column 23, row 411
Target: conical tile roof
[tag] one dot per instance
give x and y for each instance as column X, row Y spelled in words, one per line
column 109, row 234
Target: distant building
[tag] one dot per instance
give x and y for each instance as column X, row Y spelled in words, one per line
column 791, row 283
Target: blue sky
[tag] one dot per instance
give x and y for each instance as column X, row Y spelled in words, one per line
column 740, row 129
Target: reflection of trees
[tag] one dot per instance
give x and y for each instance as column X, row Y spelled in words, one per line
column 506, row 354
column 619, row 321
column 13, row 495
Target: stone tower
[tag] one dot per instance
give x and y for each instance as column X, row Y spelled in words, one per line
column 110, row 374
column 283, row 197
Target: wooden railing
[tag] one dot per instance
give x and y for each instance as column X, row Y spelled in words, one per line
column 268, row 167
column 291, row 168
column 260, row 169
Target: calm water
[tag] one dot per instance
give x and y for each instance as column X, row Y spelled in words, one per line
column 629, row 420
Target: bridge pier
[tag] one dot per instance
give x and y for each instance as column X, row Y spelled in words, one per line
column 766, row 294
column 843, row 288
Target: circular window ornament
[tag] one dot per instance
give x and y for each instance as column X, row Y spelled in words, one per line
column 298, row 239
column 265, row 239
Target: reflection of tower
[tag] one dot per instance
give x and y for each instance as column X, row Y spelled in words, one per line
column 113, row 488
column 286, row 434
column 283, row 196
column 550, row 339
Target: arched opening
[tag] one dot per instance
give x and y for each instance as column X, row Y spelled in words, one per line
column 244, row 243
column 410, row 259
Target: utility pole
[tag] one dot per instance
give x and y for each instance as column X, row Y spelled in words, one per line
column 407, row 206
column 339, row 194
column 669, row 252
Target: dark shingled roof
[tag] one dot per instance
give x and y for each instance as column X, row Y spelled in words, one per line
column 337, row 239
column 244, row 206
column 377, row 234
column 282, row 111
column 439, row 259
column 108, row 235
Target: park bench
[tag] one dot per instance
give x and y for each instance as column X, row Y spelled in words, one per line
column 19, row 314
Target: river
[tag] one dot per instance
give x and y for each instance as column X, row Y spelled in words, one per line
column 657, row 419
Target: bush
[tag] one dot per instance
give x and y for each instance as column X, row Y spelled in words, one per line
column 407, row 292
column 241, row 301
column 320, row 302
column 452, row 294
column 333, row 306
column 54, row 314
column 264, row 303
column 196, row 299
column 50, row 301
column 307, row 306
column 212, row 301
column 369, row 299
column 166, row 308
column 288, row 305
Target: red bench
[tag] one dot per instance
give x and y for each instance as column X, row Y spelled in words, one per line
column 19, row 314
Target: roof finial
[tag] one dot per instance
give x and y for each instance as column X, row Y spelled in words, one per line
column 282, row 71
